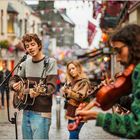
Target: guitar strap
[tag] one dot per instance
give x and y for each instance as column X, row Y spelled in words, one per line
column 46, row 64
column 46, row 61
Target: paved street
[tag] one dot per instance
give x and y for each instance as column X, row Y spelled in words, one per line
column 88, row 132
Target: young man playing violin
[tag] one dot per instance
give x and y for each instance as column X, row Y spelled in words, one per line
column 126, row 43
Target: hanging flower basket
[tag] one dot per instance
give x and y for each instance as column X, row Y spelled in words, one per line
column 4, row 44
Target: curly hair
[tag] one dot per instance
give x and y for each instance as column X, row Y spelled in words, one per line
column 130, row 35
column 76, row 63
column 29, row 38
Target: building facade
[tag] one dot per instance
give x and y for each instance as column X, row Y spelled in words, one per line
column 16, row 19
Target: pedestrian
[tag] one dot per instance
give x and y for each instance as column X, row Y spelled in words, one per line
column 75, row 91
column 58, row 82
column 41, row 85
column 126, row 44
column 4, row 87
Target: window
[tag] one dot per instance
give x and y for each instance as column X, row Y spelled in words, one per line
column 20, row 27
column 25, row 27
column 2, row 22
column 10, row 28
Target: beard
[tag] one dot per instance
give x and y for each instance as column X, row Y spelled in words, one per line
column 128, row 62
column 124, row 63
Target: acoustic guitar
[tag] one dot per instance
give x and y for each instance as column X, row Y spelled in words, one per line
column 21, row 99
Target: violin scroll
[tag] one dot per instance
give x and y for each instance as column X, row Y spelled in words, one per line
column 73, row 126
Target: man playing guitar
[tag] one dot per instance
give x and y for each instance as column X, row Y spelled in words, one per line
column 40, row 83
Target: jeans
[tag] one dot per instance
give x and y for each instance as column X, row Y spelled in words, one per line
column 34, row 126
column 3, row 91
column 75, row 134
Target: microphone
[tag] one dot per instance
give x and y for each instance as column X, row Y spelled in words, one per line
column 24, row 57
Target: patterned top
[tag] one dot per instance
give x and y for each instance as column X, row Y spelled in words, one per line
column 32, row 71
column 127, row 126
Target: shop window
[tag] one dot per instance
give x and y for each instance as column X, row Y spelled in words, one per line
column 25, row 28
column 1, row 22
column 10, row 28
column 20, row 27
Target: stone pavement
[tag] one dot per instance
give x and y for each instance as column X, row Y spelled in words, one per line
column 88, row 132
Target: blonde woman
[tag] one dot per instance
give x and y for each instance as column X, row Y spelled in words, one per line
column 75, row 91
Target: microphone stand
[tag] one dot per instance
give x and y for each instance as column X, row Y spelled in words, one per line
column 13, row 120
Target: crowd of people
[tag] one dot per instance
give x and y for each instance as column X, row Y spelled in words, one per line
column 39, row 76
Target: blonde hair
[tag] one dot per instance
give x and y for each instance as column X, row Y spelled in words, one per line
column 79, row 67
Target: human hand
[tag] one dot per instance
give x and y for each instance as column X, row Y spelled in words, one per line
column 85, row 106
column 106, row 82
column 87, row 114
column 33, row 93
column 62, row 89
column 17, row 86
column 81, row 106
column 65, row 91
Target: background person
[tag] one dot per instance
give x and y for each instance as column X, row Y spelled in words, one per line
column 5, row 87
column 75, row 91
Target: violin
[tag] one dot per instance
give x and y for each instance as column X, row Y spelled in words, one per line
column 108, row 94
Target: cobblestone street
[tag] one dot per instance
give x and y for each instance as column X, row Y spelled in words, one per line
column 88, row 132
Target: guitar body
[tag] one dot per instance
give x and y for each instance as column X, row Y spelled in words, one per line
column 22, row 103
column 21, row 99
